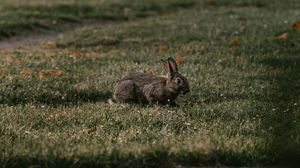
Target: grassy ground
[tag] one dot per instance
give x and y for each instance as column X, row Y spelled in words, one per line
column 18, row 16
column 243, row 108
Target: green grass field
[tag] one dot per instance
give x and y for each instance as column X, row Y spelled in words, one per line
column 18, row 16
column 243, row 109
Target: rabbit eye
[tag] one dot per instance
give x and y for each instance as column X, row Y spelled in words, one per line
column 178, row 81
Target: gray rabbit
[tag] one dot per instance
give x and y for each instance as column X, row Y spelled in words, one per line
column 144, row 87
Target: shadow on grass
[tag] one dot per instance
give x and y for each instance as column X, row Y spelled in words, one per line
column 239, row 3
column 281, row 117
column 31, row 17
column 74, row 97
column 69, row 97
column 159, row 157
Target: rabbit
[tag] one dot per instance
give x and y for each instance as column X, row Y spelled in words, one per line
column 145, row 87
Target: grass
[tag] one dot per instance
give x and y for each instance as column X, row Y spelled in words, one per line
column 243, row 109
column 18, row 17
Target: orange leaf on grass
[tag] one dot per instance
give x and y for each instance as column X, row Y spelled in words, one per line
column 18, row 59
column 210, row 2
column 282, row 37
column 179, row 59
column 162, row 47
column 49, row 73
column 3, row 49
column 72, row 52
column 57, row 115
column 234, row 42
column 50, row 44
column 25, row 73
column 296, row 25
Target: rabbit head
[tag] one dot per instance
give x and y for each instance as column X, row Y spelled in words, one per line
column 176, row 83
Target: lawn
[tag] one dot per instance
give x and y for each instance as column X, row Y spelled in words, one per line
column 243, row 108
column 19, row 16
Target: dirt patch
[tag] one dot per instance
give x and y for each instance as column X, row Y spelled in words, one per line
column 32, row 39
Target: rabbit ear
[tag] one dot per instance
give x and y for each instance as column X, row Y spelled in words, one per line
column 165, row 65
column 172, row 64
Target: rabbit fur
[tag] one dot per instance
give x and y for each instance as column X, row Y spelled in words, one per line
column 145, row 87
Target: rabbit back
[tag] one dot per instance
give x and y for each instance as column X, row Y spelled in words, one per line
column 131, row 88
